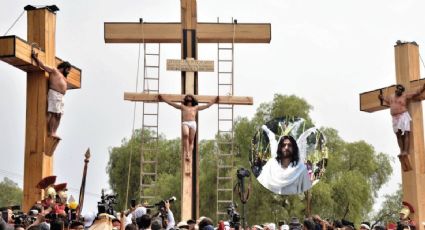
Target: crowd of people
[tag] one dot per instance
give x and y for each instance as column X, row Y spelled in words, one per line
column 139, row 218
column 161, row 217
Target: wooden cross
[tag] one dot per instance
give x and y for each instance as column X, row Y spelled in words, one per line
column 39, row 147
column 189, row 33
column 407, row 74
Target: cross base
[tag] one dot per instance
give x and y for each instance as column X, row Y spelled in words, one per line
column 405, row 163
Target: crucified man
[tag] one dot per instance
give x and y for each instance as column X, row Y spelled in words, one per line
column 189, row 108
column 401, row 119
column 57, row 90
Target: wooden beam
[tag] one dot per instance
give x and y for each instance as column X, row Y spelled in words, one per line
column 369, row 101
column 17, row 52
column 127, row 32
column 229, row 32
column 146, row 97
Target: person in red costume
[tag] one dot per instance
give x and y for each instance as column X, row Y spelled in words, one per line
column 61, row 198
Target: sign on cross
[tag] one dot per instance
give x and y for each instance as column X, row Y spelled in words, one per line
column 407, row 74
column 190, row 65
column 39, row 147
column 188, row 33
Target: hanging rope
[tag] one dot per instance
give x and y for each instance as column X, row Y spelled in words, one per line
column 14, row 23
column 134, row 120
column 420, row 57
column 235, row 21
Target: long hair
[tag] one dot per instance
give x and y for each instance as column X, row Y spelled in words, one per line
column 295, row 152
column 192, row 100
column 64, row 65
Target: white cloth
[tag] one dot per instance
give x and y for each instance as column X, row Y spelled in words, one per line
column 55, row 101
column 190, row 124
column 272, row 141
column 402, row 122
column 292, row 180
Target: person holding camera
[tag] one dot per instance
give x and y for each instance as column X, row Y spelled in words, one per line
column 169, row 219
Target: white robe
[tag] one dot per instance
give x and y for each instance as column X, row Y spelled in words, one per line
column 292, row 180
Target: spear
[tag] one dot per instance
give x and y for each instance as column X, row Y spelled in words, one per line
column 83, row 183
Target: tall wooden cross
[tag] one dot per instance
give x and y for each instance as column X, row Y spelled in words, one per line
column 189, row 33
column 407, row 74
column 39, row 147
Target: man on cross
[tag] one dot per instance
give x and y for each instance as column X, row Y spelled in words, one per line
column 189, row 108
column 401, row 119
column 57, row 90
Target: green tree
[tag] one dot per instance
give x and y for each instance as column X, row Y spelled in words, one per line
column 348, row 189
column 10, row 193
column 354, row 174
column 389, row 211
column 118, row 165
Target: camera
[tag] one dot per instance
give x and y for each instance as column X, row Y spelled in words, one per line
column 161, row 204
column 21, row 219
column 106, row 204
column 162, row 212
column 241, row 173
column 234, row 217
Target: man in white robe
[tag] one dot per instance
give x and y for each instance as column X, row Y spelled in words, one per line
column 283, row 173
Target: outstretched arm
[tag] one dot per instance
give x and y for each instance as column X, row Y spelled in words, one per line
column 40, row 63
column 417, row 93
column 384, row 98
column 175, row 105
column 202, row 107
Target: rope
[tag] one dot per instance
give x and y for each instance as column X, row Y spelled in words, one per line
column 420, row 57
column 14, row 23
column 134, row 121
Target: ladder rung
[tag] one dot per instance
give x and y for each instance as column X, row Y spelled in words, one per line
column 223, row 107
column 148, row 174
column 151, row 54
column 224, row 178
column 225, row 119
column 151, row 66
column 225, row 131
column 225, row 72
column 222, row 154
column 151, row 90
column 224, row 142
column 151, row 78
column 224, row 166
column 150, row 149
column 150, row 114
column 225, row 189
column 148, row 185
column 148, row 162
column 224, row 48
column 225, row 84
column 225, row 60
column 224, row 201
column 150, row 126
